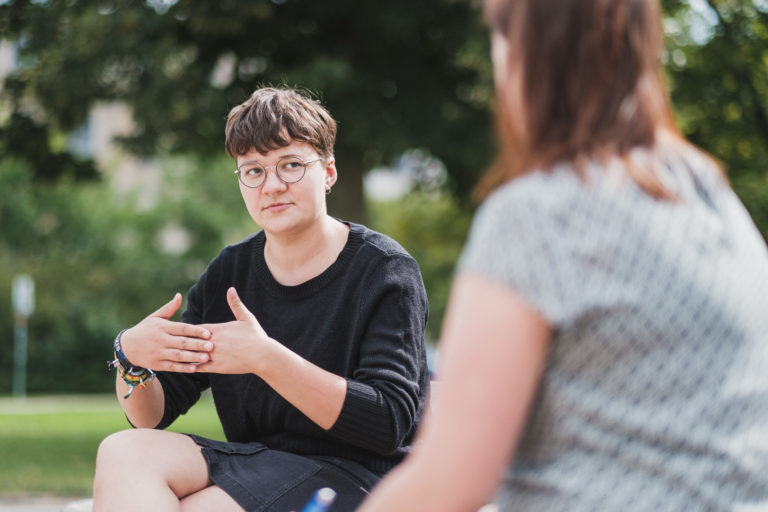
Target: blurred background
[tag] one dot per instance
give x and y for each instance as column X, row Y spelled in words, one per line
column 115, row 190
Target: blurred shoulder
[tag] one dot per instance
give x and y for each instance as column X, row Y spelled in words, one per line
column 537, row 193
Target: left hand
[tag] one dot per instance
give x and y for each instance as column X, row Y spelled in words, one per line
column 239, row 346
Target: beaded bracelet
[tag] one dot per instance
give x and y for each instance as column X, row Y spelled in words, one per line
column 132, row 375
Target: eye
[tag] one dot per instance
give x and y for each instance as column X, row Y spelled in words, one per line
column 253, row 171
column 291, row 165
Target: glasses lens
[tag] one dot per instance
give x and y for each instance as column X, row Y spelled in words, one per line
column 291, row 169
column 252, row 175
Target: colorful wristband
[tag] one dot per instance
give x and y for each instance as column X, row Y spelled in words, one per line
column 132, row 375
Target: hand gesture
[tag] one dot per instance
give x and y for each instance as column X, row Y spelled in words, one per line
column 160, row 344
column 241, row 345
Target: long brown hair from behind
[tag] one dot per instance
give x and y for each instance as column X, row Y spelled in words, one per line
column 591, row 84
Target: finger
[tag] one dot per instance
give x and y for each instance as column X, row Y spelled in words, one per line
column 238, row 308
column 169, row 309
column 186, row 356
column 189, row 330
column 206, row 367
column 172, row 366
column 192, row 345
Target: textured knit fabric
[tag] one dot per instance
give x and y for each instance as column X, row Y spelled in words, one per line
column 363, row 319
column 655, row 392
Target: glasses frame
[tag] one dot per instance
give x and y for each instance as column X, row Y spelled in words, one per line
column 265, row 167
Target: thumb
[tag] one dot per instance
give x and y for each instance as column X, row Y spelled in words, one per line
column 238, row 308
column 168, row 310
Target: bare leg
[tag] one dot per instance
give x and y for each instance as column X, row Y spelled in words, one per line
column 145, row 469
column 210, row 498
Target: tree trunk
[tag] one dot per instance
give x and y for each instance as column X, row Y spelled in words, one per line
column 346, row 200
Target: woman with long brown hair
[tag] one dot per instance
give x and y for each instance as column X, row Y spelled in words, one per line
column 605, row 342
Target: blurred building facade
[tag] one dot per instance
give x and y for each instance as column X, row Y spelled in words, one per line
column 95, row 138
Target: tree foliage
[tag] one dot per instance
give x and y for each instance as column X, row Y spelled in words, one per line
column 101, row 264
column 395, row 75
column 717, row 61
column 432, row 228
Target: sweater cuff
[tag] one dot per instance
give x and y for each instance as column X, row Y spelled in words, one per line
column 365, row 419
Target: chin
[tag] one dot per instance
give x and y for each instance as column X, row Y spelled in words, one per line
column 279, row 225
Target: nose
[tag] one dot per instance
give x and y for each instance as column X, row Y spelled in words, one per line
column 272, row 183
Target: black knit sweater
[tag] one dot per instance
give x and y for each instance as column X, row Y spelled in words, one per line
column 363, row 319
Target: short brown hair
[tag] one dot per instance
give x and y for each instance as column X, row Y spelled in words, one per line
column 272, row 118
column 592, row 85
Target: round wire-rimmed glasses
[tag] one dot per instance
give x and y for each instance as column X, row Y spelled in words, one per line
column 289, row 169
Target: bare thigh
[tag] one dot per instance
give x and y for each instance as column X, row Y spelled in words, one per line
column 210, row 498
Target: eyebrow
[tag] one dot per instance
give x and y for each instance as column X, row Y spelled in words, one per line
column 303, row 158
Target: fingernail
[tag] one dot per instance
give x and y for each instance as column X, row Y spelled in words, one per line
column 208, row 346
column 206, row 334
column 203, row 357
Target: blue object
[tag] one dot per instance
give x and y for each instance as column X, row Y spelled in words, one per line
column 321, row 501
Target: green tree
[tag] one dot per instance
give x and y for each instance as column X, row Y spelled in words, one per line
column 717, row 62
column 100, row 263
column 432, row 228
column 397, row 74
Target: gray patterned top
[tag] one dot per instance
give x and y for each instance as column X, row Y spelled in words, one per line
column 655, row 393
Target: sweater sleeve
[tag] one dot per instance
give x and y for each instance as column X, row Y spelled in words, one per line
column 386, row 393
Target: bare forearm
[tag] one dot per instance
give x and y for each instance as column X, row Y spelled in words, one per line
column 492, row 357
column 407, row 489
column 145, row 406
column 439, row 474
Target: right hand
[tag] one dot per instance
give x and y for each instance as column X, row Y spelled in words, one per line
column 160, row 344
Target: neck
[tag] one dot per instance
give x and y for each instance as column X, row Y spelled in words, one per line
column 294, row 258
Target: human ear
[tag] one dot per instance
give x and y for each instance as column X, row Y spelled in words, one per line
column 331, row 174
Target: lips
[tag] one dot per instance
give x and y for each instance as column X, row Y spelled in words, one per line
column 277, row 207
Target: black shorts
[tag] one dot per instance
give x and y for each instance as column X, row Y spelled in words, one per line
column 261, row 479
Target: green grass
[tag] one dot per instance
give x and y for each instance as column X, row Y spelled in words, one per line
column 48, row 444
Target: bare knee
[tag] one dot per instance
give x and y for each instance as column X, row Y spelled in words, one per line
column 130, row 470
column 132, row 451
column 152, row 458
column 128, row 452
column 116, row 450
